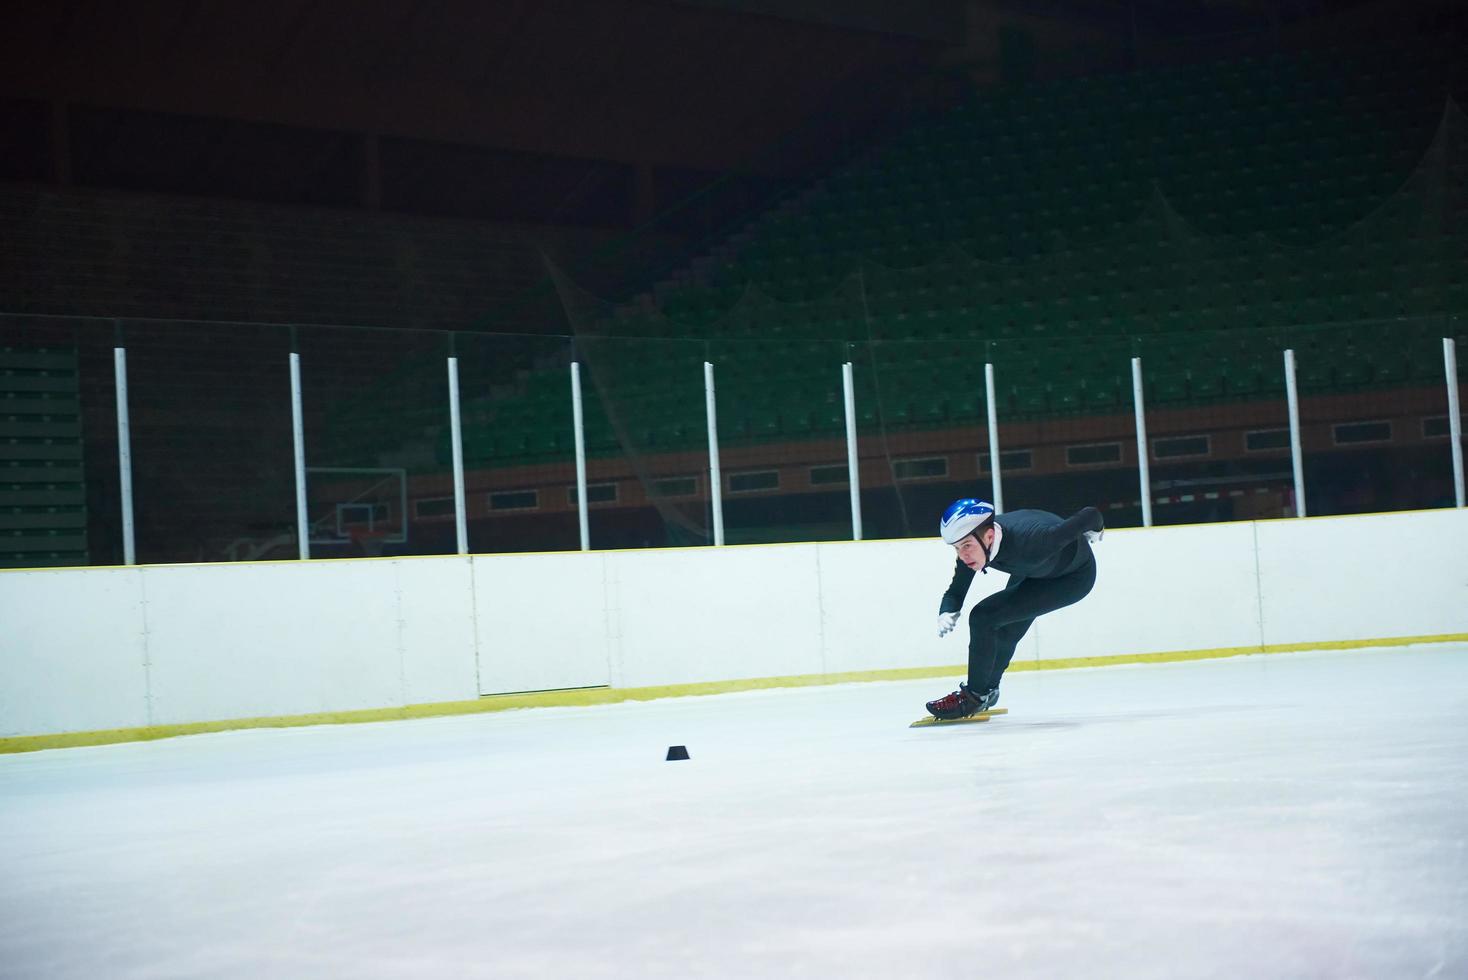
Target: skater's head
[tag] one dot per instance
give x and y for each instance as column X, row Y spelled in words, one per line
column 968, row 525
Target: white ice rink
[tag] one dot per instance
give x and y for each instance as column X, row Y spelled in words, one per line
column 1301, row 815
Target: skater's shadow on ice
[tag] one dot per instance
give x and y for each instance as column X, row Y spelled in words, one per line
column 1046, row 725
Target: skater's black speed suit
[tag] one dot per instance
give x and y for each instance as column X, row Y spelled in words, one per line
column 1050, row 565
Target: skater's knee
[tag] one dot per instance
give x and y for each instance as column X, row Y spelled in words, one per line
column 981, row 618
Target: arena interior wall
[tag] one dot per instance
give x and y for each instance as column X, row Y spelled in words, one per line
column 110, row 651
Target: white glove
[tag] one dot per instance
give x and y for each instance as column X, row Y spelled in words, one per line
column 1094, row 536
column 946, row 622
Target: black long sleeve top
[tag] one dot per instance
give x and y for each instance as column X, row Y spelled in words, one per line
column 1034, row 544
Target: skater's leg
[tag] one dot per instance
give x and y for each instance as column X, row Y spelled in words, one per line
column 987, row 659
column 985, row 621
column 1006, row 640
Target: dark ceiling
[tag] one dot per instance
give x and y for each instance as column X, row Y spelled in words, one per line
column 628, row 80
column 577, row 111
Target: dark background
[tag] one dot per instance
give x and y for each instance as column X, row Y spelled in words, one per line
column 213, row 185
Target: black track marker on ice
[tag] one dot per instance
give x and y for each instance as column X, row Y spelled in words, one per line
column 676, row 753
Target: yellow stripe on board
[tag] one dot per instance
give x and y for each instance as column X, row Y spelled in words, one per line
column 605, row 695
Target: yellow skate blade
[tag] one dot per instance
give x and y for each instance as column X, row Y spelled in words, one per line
column 981, row 716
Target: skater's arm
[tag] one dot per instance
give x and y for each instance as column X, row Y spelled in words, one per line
column 1051, row 539
column 957, row 589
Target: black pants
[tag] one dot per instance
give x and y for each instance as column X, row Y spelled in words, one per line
column 999, row 622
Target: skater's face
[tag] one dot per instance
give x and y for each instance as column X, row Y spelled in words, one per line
column 971, row 553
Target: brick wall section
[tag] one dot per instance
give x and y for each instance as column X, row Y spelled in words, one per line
column 108, row 253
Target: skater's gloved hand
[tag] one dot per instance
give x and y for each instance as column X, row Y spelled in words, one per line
column 1094, row 535
column 946, row 622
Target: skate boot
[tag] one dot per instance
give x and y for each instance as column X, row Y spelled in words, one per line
column 962, row 703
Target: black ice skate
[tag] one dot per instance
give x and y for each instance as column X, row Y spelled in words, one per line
column 962, row 703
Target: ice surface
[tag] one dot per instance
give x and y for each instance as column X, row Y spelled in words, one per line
column 1301, row 815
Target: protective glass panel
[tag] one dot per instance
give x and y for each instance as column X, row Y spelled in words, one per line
column 776, row 366
column 782, row 436
column 1371, row 397
column 919, row 431
column 518, row 443
column 1067, row 428
column 373, row 403
column 646, row 418
column 211, row 441
column 1217, row 426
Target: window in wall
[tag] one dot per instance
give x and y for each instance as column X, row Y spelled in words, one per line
column 676, row 486
column 1096, row 454
column 932, row 467
column 596, row 493
column 751, row 482
column 1266, row 440
column 1177, row 447
column 515, row 500
column 1010, row 461
column 1353, row 433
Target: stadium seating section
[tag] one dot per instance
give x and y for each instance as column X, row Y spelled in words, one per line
column 42, row 496
column 1202, row 218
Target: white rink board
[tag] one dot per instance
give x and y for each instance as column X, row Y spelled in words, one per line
column 879, row 607
column 707, row 614
column 1341, row 578
column 540, row 622
column 437, row 639
column 246, row 640
column 1157, row 591
column 90, row 649
column 72, row 651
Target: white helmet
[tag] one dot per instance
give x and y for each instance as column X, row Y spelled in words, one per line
column 964, row 517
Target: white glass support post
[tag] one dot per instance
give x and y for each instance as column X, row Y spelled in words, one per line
column 991, row 402
column 1455, row 415
column 1144, row 463
column 853, row 470
column 298, row 438
column 1292, row 395
column 456, row 439
column 124, row 457
column 716, row 481
column 578, row 426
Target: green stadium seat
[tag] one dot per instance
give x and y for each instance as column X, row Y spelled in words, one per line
column 1021, row 225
